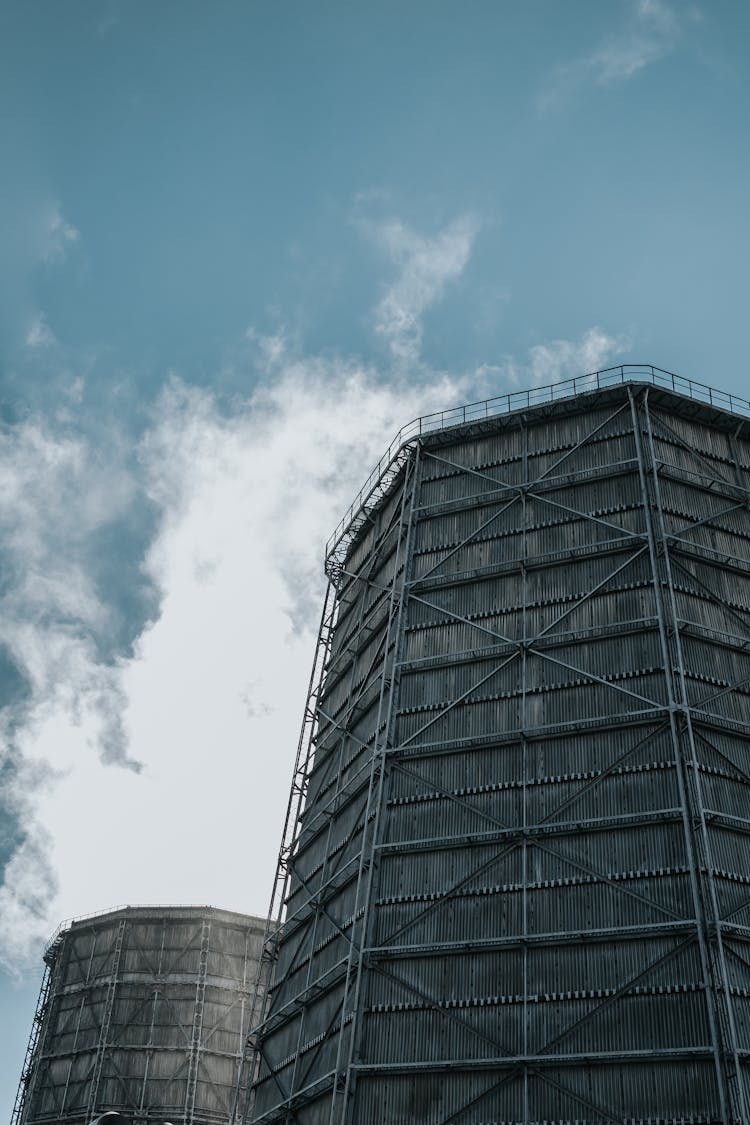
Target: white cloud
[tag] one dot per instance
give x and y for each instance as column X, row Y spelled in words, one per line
column 655, row 33
column 57, row 235
column 560, row 359
column 211, row 698
column 426, row 266
column 653, row 30
column 56, row 491
column 28, row 886
column 57, row 494
column 272, row 348
column 40, row 335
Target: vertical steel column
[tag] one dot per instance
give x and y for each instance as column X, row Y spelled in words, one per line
column 524, row 763
column 735, row 447
column 154, row 1001
column 78, row 1025
column 81, row 1008
column 106, row 1018
column 197, row 1029
column 695, row 786
column 656, row 545
column 342, row 1094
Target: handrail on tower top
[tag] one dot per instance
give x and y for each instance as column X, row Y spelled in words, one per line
column 381, row 477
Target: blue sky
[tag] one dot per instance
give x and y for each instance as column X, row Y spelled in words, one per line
column 240, row 244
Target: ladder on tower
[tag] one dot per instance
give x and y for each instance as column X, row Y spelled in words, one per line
column 27, row 1070
column 249, row 1061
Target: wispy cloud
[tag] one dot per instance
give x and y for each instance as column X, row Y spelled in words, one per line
column 559, row 359
column 57, row 235
column 40, row 335
column 426, row 265
column 58, row 495
column 652, row 31
column 109, row 16
column 241, row 495
column 28, row 887
column 656, row 32
column 245, row 497
column 34, row 245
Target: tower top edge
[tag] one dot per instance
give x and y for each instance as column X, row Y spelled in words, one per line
column 535, row 403
column 156, row 913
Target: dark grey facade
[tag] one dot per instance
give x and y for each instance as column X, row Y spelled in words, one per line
column 515, row 879
column 143, row 1011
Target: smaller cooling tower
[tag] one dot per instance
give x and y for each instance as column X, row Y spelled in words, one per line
column 141, row 1011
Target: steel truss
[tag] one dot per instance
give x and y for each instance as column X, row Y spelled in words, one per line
column 516, row 885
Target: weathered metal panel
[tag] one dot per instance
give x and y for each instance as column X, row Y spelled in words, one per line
column 146, row 1016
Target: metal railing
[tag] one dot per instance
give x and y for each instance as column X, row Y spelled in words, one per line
column 382, row 476
column 65, row 925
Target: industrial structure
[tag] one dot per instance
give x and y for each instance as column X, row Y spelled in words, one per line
column 514, row 885
column 142, row 1011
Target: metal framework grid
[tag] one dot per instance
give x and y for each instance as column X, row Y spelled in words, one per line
column 142, row 1010
column 515, row 879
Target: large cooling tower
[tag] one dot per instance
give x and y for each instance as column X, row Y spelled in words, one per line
column 515, row 881
column 142, row 1011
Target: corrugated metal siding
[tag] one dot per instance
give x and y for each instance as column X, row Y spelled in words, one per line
column 565, row 819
